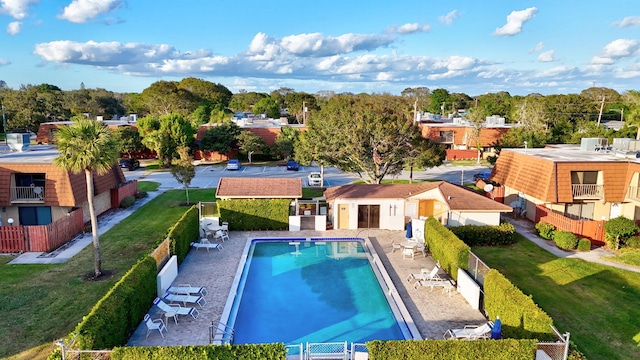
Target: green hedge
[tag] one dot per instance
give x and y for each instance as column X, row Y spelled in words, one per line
column 218, row 352
column 184, row 232
column 545, row 230
column 445, row 247
column 486, row 235
column 506, row 349
column 117, row 315
column 258, row 214
column 565, row 240
column 584, row 244
column 521, row 317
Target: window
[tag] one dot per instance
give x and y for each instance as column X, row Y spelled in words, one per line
column 35, row 215
column 30, row 179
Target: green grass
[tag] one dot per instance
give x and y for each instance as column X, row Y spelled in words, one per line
column 597, row 304
column 473, row 162
column 148, row 186
column 308, row 192
column 628, row 258
column 42, row 303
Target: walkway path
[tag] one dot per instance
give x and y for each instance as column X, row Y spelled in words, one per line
column 526, row 229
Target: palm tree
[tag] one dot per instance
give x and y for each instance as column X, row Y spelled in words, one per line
column 87, row 145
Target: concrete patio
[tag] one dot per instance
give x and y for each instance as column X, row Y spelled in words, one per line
column 432, row 311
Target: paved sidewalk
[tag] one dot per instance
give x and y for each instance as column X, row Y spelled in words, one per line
column 80, row 241
column 526, row 229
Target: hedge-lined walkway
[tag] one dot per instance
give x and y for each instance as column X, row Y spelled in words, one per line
column 433, row 312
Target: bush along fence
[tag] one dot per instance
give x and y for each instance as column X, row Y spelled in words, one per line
column 260, row 214
column 445, row 247
column 506, row 349
column 182, row 234
column 217, row 352
column 486, row 235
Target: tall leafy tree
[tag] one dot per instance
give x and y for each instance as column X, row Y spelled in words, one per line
column 284, row 144
column 129, row 140
column 372, row 136
column 87, row 146
column 165, row 134
column 184, row 171
column 165, row 97
column 250, row 143
column 268, row 106
column 221, row 138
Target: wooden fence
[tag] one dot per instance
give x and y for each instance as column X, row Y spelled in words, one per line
column 590, row 229
column 130, row 188
column 41, row 238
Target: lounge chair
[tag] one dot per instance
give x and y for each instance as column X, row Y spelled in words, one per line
column 470, row 332
column 445, row 284
column 156, row 324
column 187, row 290
column 221, row 235
column 185, row 299
column 199, row 245
column 175, row 309
column 426, row 274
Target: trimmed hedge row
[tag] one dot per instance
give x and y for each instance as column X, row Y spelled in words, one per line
column 486, row 235
column 545, row 230
column 219, row 352
column 184, row 232
column 116, row 316
column 565, row 240
column 521, row 317
column 506, row 349
column 258, row 214
column 445, row 247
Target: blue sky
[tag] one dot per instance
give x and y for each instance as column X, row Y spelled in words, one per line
column 473, row 47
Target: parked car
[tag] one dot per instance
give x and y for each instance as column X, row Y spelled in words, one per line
column 483, row 175
column 129, row 164
column 314, row 179
column 233, row 164
column 292, row 165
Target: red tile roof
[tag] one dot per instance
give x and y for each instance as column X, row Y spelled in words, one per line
column 457, row 198
column 262, row 188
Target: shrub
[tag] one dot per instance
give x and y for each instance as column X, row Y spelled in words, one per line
column 451, row 349
column 445, row 247
column 584, row 244
column 618, row 230
column 633, row 242
column 486, row 235
column 545, row 230
column 127, row 202
column 565, row 240
column 202, row 352
column 141, row 194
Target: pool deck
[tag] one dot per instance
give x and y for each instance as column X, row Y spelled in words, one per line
column 432, row 311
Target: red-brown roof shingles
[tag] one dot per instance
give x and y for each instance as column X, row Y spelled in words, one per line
column 263, row 188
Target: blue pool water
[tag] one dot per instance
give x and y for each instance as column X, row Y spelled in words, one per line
column 294, row 292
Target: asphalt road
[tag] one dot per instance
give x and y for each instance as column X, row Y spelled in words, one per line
column 208, row 176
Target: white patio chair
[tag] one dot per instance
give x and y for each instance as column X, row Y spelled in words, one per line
column 221, row 235
column 470, row 332
column 187, row 289
column 156, row 324
column 208, row 246
column 426, row 274
column 175, row 309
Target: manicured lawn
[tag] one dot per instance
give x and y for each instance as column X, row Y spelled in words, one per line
column 597, row 304
column 148, row 186
column 629, row 257
column 42, row 303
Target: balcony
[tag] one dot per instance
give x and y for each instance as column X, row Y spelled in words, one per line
column 587, row 191
column 633, row 193
column 27, row 194
column 446, row 139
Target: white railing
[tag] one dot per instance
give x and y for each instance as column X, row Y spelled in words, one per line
column 33, row 194
column 587, row 191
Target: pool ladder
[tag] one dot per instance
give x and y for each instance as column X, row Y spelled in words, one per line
column 222, row 333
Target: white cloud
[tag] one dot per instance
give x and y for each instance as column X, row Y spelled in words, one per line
column 546, row 56
column 629, row 21
column 14, row 27
column 4, row 62
column 412, row 28
column 448, row 19
column 621, row 48
column 79, row 11
column 18, row 9
column 515, row 20
column 538, row 48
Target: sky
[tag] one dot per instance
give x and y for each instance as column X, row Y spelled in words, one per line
column 374, row 46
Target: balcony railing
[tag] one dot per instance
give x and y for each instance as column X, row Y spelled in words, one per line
column 446, row 139
column 587, row 191
column 27, row 194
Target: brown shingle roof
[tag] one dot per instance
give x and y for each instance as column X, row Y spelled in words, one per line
column 456, row 197
column 264, row 188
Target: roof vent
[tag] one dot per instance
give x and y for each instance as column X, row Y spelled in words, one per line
column 18, row 142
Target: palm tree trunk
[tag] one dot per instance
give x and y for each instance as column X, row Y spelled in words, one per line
column 97, row 257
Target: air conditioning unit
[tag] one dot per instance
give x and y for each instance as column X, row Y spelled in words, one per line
column 18, row 142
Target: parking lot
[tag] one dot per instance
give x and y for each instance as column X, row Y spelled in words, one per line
column 208, row 176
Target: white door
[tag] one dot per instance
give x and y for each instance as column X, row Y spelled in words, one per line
column 616, row 211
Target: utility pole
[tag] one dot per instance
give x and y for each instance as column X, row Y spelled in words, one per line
column 601, row 108
column 4, row 126
column 304, row 112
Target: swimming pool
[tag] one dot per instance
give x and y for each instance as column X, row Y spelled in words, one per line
column 298, row 290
